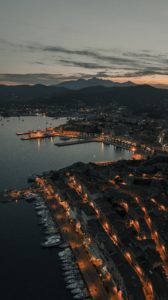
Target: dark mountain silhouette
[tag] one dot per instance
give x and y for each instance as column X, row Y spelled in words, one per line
column 136, row 97
column 94, row 81
column 139, row 98
column 23, row 93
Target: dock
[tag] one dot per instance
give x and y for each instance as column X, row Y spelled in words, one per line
column 70, row 143
column 5, row 197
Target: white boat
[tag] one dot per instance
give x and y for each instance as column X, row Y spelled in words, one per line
column 76, row 284
column 68, row 268
column 72, row 286
column 64, row 245
column 70, row 264
column 76, row 272
column 30, row 196
column 70, row 281
column 66, row 259
column 51, row 231
column 53, row 236
column 80, row 296
column 50, row 244
column 76, row 290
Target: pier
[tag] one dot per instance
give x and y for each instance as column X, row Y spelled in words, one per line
column 70, row 143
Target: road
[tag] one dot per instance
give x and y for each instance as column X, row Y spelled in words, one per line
column 94, row 283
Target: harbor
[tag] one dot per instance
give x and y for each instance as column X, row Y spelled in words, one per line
column 70, row 138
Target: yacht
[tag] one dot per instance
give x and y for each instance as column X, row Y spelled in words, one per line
column 51, row 243
column 64, row 245
column 68, row 268
column 74, row 272
column 77, row 290
column 76, row 284
column 30, row 197
column 64, row 138
column 51, row 230
column 80, row 296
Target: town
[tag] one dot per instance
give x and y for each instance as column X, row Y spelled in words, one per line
column 114, row 224
column 114, row 125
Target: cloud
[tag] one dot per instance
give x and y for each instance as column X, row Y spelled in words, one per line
column 87, row 53
column 122, row 58
column 120, row 63
column 86, row 65
column 42, row 78
column 146, row 72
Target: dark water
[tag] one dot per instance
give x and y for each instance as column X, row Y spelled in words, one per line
column 26, row 271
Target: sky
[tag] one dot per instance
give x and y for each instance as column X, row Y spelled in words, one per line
column 50, row 41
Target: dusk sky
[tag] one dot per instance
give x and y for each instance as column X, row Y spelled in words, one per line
column 51, row 41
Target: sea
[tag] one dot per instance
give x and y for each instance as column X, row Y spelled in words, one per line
column 28, row 272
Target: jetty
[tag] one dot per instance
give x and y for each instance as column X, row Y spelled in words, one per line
column 70, row 143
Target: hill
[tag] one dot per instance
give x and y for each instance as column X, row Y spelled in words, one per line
column 26, row 93
column 140, row 98
column 92, row 82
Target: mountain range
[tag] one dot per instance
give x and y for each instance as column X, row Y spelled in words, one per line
column 94, row 81
column 138, row 98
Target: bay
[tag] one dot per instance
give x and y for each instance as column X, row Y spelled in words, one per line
column 27, row 271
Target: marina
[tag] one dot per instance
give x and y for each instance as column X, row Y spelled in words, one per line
column 71, row 272
column 71, row 256
column 70, row 138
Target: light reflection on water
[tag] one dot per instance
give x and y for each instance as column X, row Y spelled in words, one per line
column 20, row 159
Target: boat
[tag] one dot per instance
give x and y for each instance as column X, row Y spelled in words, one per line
column 68, row 268
column 53, row 236
column 30, row 197
column 70, row 272
column 66, row 259
column 83, row 293
column 80, row 296
column 107, row 143
column 64, row 245
column 65, row 252
column 66, row 264
column 23, row 133
column 40, row 207
column 72, row 277
column 76, row 284
column 51, row 231
column 72, row 286
column 76, row 290
column 69, row 281
column 64, row 138
column 51, row 243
